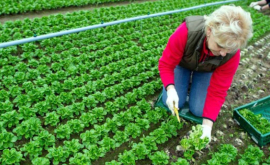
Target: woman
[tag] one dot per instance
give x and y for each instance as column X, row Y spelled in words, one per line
column 260, row 5
column 205, row 51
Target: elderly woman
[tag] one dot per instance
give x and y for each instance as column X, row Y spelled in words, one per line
column 260, row 5
column 204, row 50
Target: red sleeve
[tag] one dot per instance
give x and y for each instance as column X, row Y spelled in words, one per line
column 172, row 54
column 220, row 82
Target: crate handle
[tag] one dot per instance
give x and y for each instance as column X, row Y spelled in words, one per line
column 254, row 104
column 236, row 121
column 253, row 138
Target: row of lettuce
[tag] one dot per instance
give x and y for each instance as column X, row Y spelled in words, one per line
column 8, row 7
column 12, row 30
column 88, row 87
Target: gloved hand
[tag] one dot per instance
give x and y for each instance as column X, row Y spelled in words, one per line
column 206, row 132
column 259, row 8
column 252, row 4
column 172, row 99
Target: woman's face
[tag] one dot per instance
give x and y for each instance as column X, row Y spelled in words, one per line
column 214, row 47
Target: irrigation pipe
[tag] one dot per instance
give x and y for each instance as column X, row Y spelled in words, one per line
column 51, row 35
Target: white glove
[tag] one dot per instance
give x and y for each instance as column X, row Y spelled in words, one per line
column 206, row 132
column 252, row 4
column 172, row 99
column 257, row 8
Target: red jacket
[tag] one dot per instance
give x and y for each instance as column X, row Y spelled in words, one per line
column 221, row 78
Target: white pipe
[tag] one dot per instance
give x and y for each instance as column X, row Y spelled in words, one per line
column 41, row 37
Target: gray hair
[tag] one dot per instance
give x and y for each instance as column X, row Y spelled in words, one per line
column 231, row 26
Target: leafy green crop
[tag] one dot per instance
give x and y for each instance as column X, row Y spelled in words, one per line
column 52, row 118
column 41, row 161
column 257, row 121
column 225, row 155
column 33, row 149
column 159, row 158
column 128, row 157
column 73, row 146
column 80, row 158
column 10, row 118
column 140, row 150
column 180, row 161
column 193, row 142
column 28, row 128
column 252, row 155
column 11, row 156
column 45, row 139
column 7, row 140
column 57, row 154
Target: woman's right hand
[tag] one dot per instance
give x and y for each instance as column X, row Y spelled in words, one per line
column 172, row 98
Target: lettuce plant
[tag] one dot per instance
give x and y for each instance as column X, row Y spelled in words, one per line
column 112, row 125
column 94, row 152
column 252, row 155
column 53, row 100
column 11, row 118
column 75, row 125
column 99, row 113
column 57, row 154
column 89, row 137
column 90, row 101
column 22, row 100
column 78, row 108
column 180, row 161
column 27, row 112
column 41, row 161
column 159, row 157
column 88, row 118
column 27, row 86
column 66, row 97
column 133, row 129
column 150, row 142
column 107, row 143
column 80, row 158
column 52, row 118
column 128, row 157
column 42, row 108
column 73, row 146
column 193, row 143
column 140, row 150
column 113, row 162
column 65, row 112
column 225, row 155
column 63, row 131
column 7, row 140
column 160, row 135
column 14, row 90
column 120, row 137
column 101, row 130
column 11, row 156
column 33, row 149
column 45, row 139
column 28, row 128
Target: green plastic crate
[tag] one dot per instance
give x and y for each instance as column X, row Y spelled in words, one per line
column 261, row 106
column 183, row 112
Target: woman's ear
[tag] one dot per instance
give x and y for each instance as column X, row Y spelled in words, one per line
column 208, row 32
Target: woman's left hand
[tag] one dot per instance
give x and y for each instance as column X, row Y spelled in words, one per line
column 207, row 128
column 206, row 132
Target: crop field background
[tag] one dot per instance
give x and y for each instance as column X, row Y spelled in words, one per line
column 88, row 98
